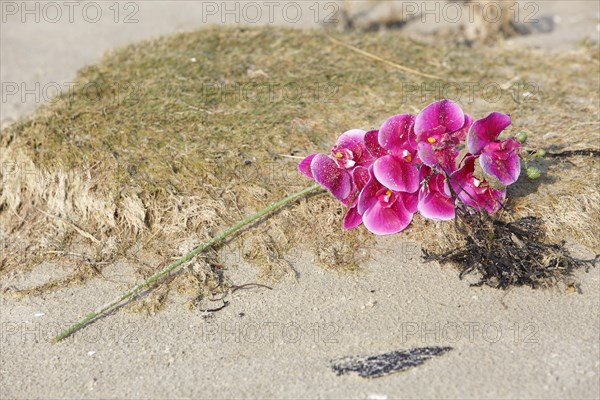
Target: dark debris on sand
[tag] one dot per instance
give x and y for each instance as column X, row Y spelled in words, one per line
column 507, row 254
column 380, row 365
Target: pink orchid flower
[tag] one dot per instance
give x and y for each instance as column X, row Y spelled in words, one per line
column 396, row 166
column 435, row 199
column 385, row 211
column 439, row 128
column 334, row 171
column 473, row 191
column 498, row 158
column 409, row 165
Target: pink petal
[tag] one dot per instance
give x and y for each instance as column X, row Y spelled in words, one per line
column 387, row 221
column 434, row 205
column 494, row 200
column 360, row 177
column 372, row 144
column 463, row 184
column 507, row 169
column 396, row 174
column 354, row 140
column 472, row 191
column 438, row 183
column 353, row 135
column 352, row 219
column 426, row 154
column 411, row 201
column 445, row 158
column 444, row 113
column 331, row 177
column 304, row 166
column 424, row 172
column 485, row 198
column 397, row 134
column 459, row 178
column 511, row 144
column 368, row 196
column 486, row 130
column 352, row 149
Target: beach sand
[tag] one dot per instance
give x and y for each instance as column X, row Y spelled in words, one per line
column 278, row 343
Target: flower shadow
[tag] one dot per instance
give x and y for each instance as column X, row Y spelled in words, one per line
column 525, row 186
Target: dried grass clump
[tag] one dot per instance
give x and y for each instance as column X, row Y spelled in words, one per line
column 567, row 198
column 154, row 149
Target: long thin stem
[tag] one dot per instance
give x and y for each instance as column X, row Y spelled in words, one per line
column 89, row 317
column 383, row 60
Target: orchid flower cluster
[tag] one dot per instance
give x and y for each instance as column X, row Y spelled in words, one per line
column 411, row 164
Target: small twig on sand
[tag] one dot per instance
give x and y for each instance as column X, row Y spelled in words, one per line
column 72, row 225
column 570, row 153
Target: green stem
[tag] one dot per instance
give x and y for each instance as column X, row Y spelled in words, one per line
column 89, row 317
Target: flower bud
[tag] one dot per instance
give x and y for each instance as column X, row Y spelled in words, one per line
column 522, row 136
column 541, row 153
column 533, row 173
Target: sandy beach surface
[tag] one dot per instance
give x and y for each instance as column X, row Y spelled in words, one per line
column 279, row 342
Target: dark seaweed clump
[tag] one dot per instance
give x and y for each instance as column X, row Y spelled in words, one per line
column 379, row 365
column 507, row 254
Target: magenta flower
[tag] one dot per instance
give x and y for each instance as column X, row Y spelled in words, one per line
column 498, row 158
column 435, row 200
column 385, row 211
column 334, row 171
column 473, row 191
column 396, row 166
column 409, row 164
column 439, row 128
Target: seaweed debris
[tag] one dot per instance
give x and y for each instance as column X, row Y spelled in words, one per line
column 384, row 364
column 509, row 254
